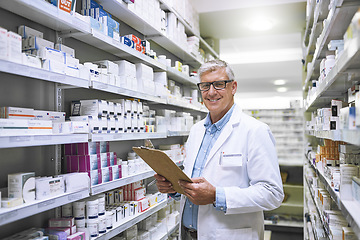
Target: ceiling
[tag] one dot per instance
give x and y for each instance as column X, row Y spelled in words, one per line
column 258, row 57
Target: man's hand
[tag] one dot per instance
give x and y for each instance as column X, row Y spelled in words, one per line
column 200, row 191
column 163, row 185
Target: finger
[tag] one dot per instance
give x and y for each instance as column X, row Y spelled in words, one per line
column 159, row 177
column 198, row 180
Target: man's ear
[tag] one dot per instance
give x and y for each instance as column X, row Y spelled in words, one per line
column 234, row 87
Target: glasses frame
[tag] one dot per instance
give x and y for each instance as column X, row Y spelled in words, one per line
column 212, row 83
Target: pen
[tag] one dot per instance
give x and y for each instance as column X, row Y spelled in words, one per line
column 151, row 183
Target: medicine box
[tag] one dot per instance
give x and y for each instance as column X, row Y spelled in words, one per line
column 17, row 113
column 22, row 185
column 77, row 236
column 36, row 43
column 26, row 32
column 66, row 49
column 17, row 127
column 61, row 222
column 3, row 44
column 14, row 48
column 94, row 107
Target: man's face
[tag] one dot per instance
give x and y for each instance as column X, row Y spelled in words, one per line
column 218, row 102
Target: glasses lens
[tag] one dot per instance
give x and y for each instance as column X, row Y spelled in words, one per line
column 219, row 84
column 204, row 86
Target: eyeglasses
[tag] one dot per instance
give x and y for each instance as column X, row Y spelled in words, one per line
column 218, row 85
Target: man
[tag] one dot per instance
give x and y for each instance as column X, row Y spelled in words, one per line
column 232, row 162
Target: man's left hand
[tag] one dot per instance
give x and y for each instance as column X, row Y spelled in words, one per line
column 200, row 191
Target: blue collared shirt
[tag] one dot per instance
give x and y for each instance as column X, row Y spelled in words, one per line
column 212, row 133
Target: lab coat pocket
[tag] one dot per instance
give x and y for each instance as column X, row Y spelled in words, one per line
column 231, row 159
column 234, row 234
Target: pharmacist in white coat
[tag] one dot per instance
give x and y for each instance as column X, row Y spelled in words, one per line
column 232, row 161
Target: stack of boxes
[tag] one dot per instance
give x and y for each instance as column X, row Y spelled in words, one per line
column 95, row 159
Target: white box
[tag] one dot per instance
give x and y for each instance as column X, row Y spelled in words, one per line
column 126, row 68
column 160, row 77
column 111, row 125
column 111, row 66
column 66, row 49
column 28, row 60
column 3, row 44
column 71, row 71
column 54, row 66
column 47, row 53
column 71, row 61
column 22, row 185
column 94, row 107
column 17, row 113
column 144, row 72
column 94, row 122
column 18, row 127
column 36, row 43
column 14, row 47
column 26, row 32
column 120, row 124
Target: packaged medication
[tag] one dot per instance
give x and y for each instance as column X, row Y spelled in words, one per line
column 92, row 208
column 22, row 185
column 31, row 61
column 92, row 225
column 17, row 113
column 54, row 66
column 66, row 210
column 37, row 43
column 65, row 49
column 77, row 236
column 61, row 222
column 11, row 202
column 14, row 47
column 3, row 44
column 27, row 32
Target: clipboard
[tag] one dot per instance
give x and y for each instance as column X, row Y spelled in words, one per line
column 163, row 165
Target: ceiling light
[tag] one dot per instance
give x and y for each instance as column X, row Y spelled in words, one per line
column 279, row 82
column 282, row 89
column 260, row 24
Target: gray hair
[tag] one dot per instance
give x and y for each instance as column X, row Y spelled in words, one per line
column 214, row 65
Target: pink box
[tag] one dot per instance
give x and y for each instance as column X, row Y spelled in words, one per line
column 88, row 148
column 77, row 236
column 61, row 222
column 72, row 164
column 70, row 149
column 139, row 194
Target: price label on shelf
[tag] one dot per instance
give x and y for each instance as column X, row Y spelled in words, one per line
column 5, row 217
column 46, row 203
column 77, row 196
column 19, row 139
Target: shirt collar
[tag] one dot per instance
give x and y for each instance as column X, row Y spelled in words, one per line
column 221, row 123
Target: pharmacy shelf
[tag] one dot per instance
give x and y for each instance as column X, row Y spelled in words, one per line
column 38, row 73
column 351, row 136
column 189, row 29
column 41, row 140
column 340, row 17
column 100, row 40
column 8, row 215
column 174, row 74
column 120, row 10
column 103, row 187
column 349, row 209
column 126, row 92
column 282, row 223
column 318, row 213
column 309, row 22
column 171, row 230
column 294, row 163
column 346, row 135
column 72, row 26
column 130, row 221
column 181, row 103
column 336, row 83
column 46, row 14
column 177, row 133
column 124, row 136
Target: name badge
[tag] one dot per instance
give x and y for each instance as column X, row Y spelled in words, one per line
column 231, row 159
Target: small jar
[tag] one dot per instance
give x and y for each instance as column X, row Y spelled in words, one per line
column 79, row 209
column 93, row 226
column 101, row 199
column 80, row 223
column 66, row 210
column 92, row 208
column 102, row 224
column 109, row 219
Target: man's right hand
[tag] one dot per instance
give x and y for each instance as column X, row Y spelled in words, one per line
column 163, row 184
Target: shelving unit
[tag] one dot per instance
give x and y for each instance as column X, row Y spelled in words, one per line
column 41, row 89
column 335, row 86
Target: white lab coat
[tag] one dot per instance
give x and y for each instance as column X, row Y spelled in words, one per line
column 244, row 162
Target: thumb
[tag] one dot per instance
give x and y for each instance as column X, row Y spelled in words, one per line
column 198, row 180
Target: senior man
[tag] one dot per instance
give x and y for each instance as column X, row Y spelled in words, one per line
column 232, row 161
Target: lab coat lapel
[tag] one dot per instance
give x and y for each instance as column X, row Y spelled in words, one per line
column 225, row 134
column 195, row 148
